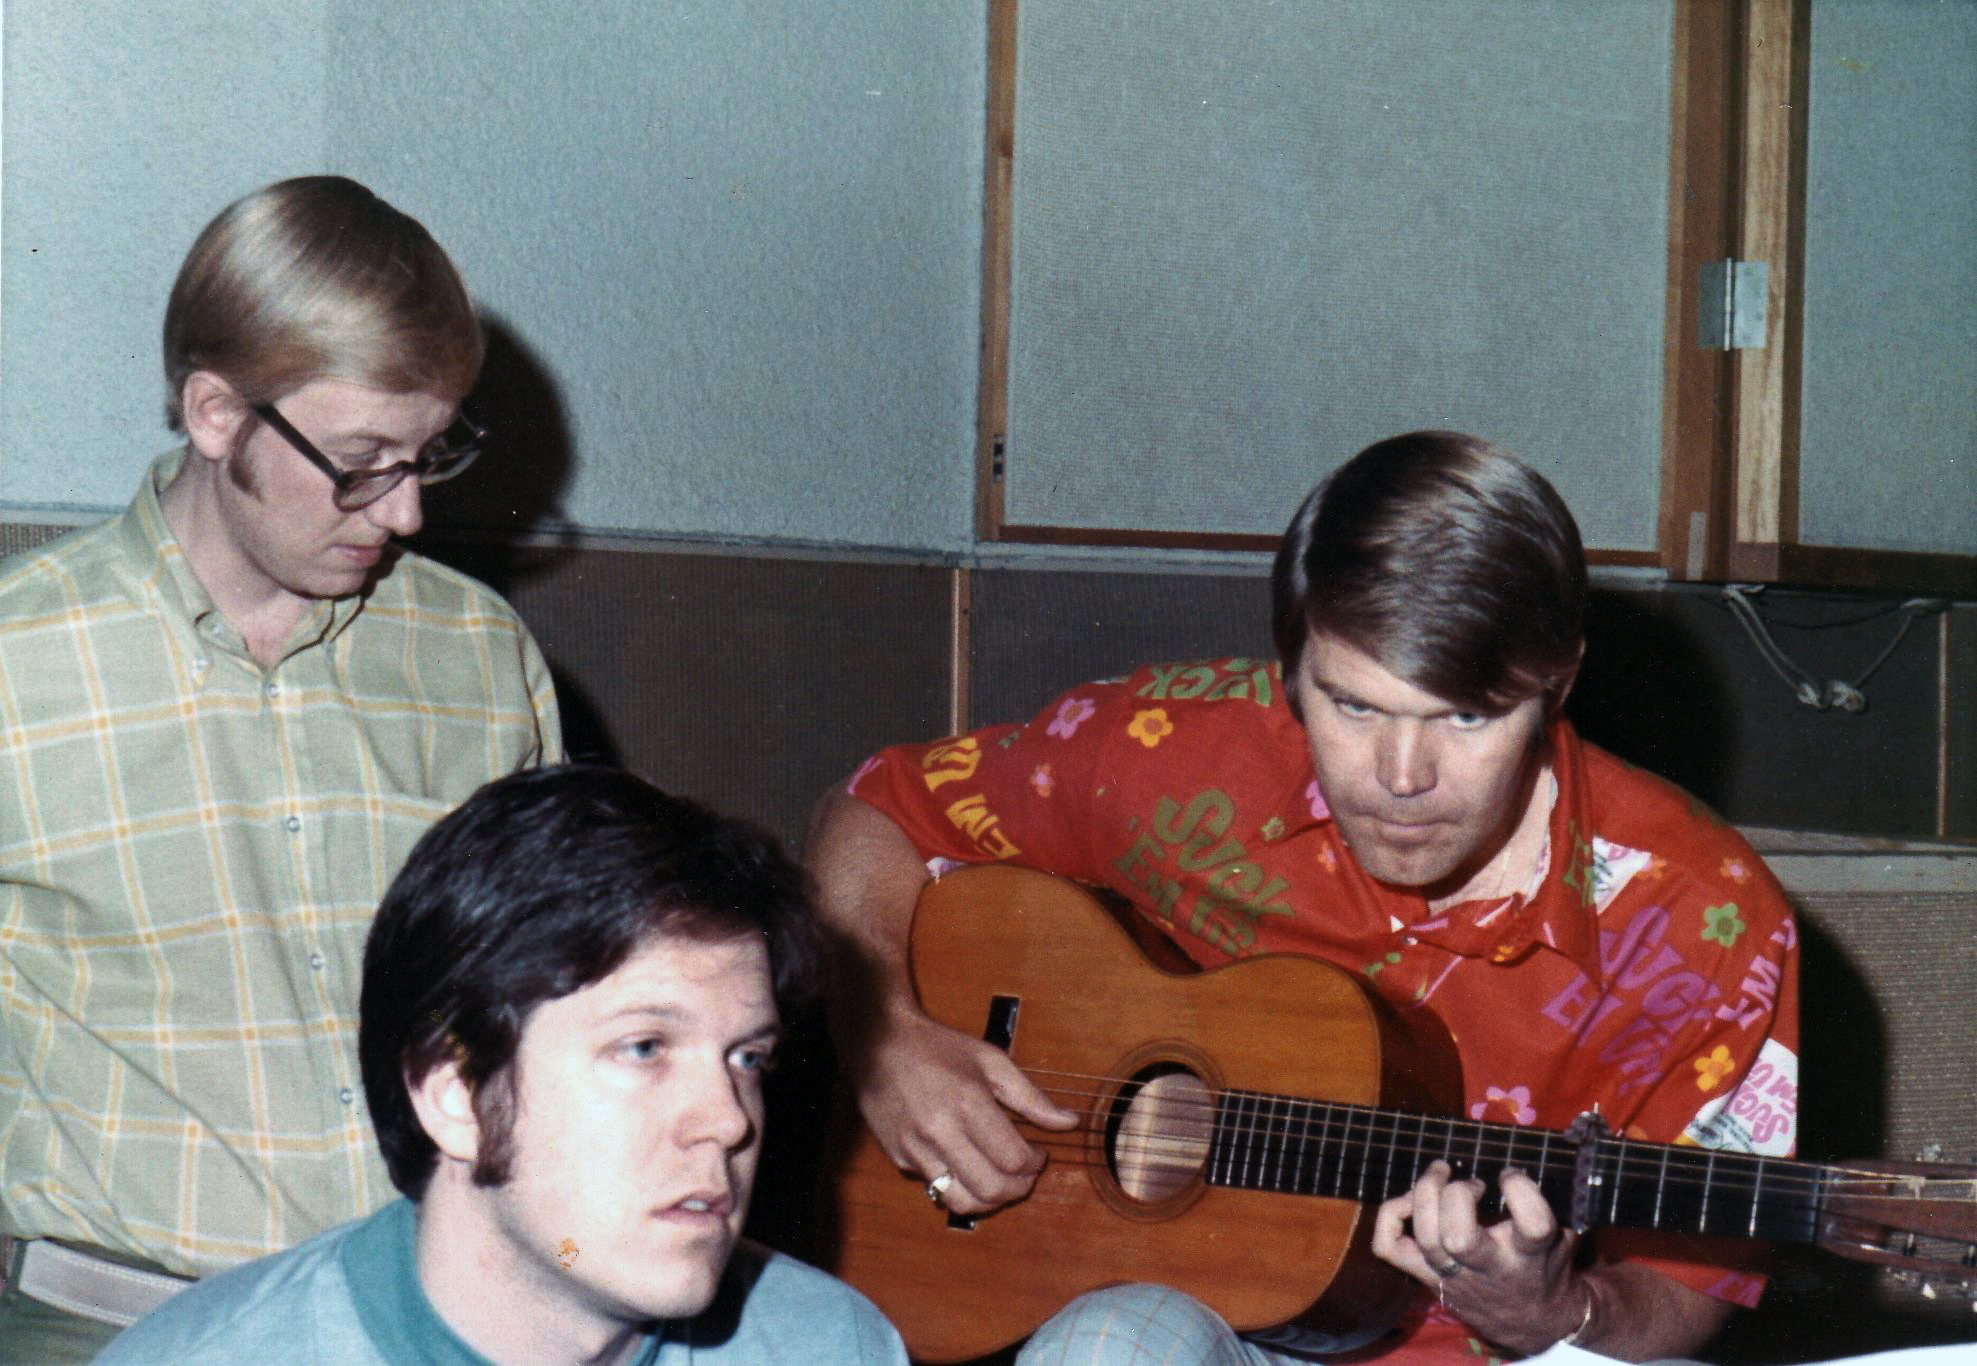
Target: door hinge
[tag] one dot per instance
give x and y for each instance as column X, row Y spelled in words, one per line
column 1731, row 316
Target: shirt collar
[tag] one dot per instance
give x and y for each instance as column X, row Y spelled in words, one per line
column 1558, row 913
column 156, row 564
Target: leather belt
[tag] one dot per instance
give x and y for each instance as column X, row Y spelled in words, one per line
column 92, row 1287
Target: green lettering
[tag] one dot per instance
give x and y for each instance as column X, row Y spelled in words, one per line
column 1213, row 804
column 1192, row 682
column 1231, row 685
column 1163, row 678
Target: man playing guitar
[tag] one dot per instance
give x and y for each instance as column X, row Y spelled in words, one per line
column 1402, row 797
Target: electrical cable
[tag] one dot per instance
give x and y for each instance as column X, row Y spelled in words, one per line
column 1834, row 693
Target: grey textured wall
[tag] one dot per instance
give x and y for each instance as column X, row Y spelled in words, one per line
column 1891, row 277
column 730, row 253
column 1251, row 238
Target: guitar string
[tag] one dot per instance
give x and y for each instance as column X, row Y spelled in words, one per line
column 1315, row 1120
column 1730, row 1172
column 1178, row 1160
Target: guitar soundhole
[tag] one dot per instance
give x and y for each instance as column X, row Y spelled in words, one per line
column 1157, row 1136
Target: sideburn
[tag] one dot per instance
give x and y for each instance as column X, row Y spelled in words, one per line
column 239, row 472
column 494, row 1114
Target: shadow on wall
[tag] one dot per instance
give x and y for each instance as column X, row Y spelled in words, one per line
column 530, row 459
column 476, row 522
column 1647, row 694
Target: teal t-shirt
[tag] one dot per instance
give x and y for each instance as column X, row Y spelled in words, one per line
column 352, row 1297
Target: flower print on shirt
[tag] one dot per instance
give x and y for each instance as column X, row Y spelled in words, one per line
column 1724, row 925
column 1071, row 713
column 1711, row 1070
column 1513, row 1104
column 1150, row 727
column 1043, row 780
column 1319, row 808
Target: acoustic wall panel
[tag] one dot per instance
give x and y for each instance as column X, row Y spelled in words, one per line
column 1888, row 446
column 1250, row 238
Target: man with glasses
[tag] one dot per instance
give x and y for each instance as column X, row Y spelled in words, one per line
column 228, row 714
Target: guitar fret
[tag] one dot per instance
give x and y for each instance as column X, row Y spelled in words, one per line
column 1279, row 1135
column 1311, row 1152
column 1392, row 1151
column 1334, row 1184
column 1218, row 1144
column 1618, row 1184
column 1756, row 1193
column 1421, row 1158
column 1297, row 1144
column 1708, row 1177
column 1244, row 1133
column 1287, row 1144
column 1359, row 1191
column 1259, row 1143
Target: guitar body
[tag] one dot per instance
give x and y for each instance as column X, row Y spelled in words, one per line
column 1090, row 1014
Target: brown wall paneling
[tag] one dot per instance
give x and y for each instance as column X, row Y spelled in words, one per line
column 1959, row 722
column 750, row 682
column 1036, row 632
column 1672, row 683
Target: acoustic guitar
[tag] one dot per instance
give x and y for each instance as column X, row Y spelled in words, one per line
column 1239, row 1125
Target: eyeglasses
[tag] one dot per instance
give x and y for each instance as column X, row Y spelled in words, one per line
column 452, row 451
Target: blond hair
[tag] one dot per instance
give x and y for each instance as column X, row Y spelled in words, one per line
column 318, row 278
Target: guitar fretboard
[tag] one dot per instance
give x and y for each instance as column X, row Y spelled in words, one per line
column 1302, row 1147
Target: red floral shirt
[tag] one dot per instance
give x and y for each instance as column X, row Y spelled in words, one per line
column 1651, row 969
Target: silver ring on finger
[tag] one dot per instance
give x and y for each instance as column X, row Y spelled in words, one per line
column 1445, row 1272
column 938, row 1187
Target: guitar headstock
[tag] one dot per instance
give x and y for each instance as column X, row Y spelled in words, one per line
column 1919, row 1218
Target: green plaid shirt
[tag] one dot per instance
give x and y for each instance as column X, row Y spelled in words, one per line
column 191, row 850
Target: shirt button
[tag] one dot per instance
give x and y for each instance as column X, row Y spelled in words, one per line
column 316, row 961
column 200, row 663
column 346, row 1095
column 272, row 689
column 293, row 823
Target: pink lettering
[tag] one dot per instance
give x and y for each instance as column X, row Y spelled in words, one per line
column 1644, row 930
column 1744, row 1013
column 1571, row 1007
column 1677, row 995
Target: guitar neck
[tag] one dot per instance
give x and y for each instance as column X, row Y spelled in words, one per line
column 1283, row 1144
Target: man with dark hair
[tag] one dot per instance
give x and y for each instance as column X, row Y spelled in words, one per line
column 229, row 713
column 1401, row 797
column 572, row 993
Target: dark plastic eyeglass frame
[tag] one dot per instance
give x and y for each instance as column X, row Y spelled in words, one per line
column 357, row 489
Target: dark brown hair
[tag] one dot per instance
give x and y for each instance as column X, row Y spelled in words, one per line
column 1451, row 563
column 543, row 883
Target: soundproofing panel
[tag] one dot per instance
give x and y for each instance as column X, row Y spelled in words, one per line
column 1888, row 451
column 1251, row 238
